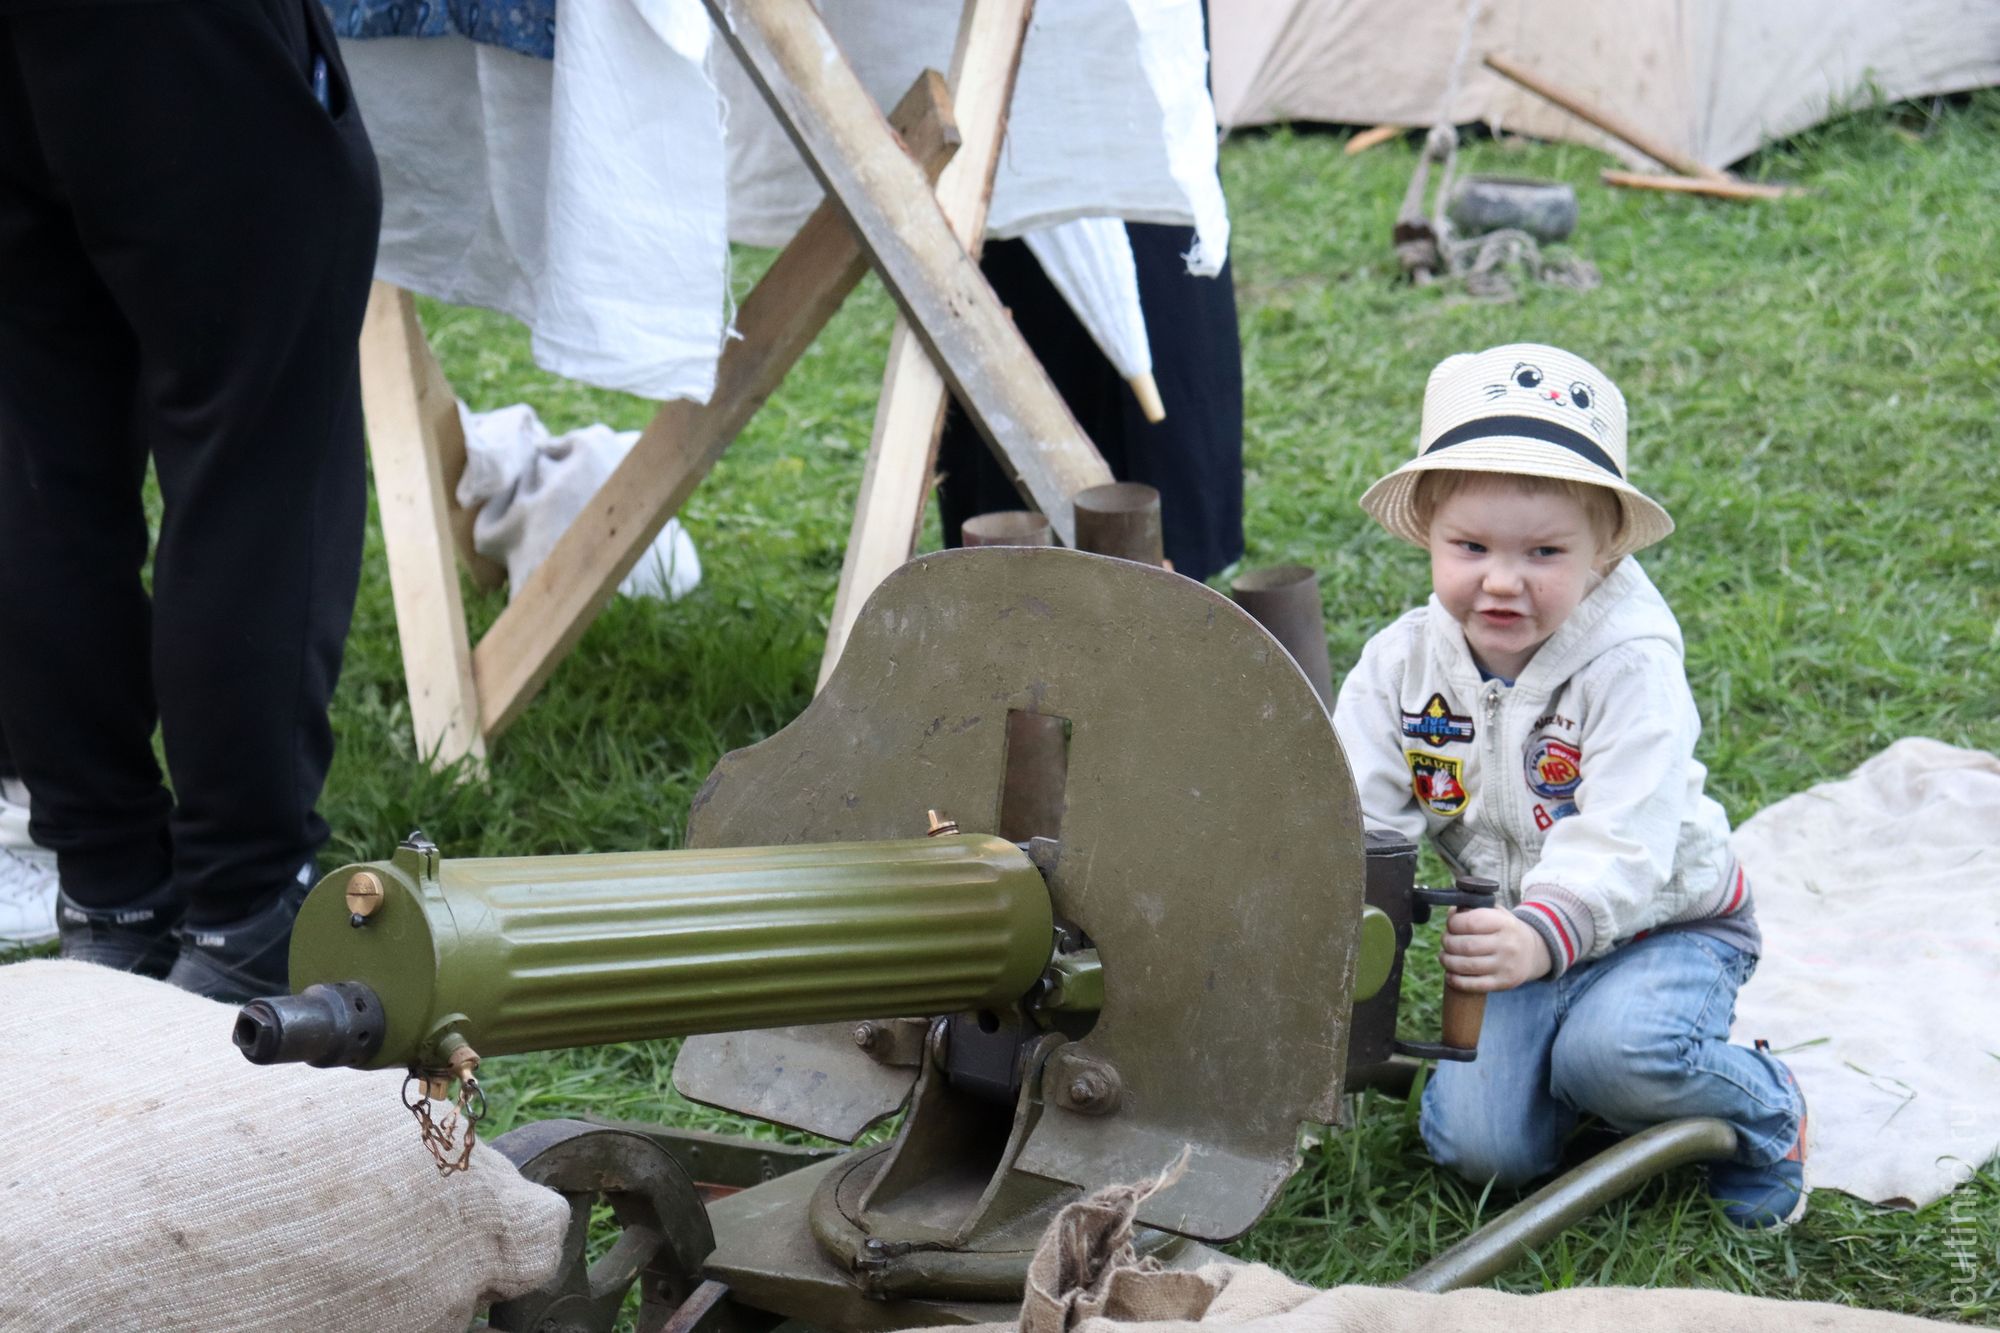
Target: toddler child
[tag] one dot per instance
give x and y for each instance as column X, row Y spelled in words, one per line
column 1535, row 722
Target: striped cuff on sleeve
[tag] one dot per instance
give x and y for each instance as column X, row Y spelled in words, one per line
column 1730, row 895
column 1562, row 921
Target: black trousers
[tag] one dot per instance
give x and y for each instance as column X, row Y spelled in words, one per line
column 186, row 241
column 1194, row 458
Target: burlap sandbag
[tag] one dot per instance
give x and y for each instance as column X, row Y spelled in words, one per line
column 152, row 1178
column 1085, row 1277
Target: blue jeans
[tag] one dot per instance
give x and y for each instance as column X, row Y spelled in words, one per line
column 1635, row 1039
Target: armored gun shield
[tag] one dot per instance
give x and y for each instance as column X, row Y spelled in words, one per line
column 1204, row 837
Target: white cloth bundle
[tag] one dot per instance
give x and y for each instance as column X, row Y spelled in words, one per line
column 528, row 487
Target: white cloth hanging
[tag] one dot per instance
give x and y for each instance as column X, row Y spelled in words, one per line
column 584, row 196
column 594, row 197
column 1111, row 117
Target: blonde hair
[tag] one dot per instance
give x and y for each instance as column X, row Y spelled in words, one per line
column 1600, row 504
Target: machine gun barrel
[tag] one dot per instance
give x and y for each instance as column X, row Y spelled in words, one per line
column 529, row 953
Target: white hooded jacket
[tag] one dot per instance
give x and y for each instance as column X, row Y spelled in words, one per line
column 1575, row 788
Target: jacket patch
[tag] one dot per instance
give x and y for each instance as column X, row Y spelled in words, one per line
column 1436, row 724
column 1435, row 780
column 1554, row 769
column 1545, row 818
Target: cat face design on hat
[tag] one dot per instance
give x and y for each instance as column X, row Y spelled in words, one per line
column 1526, row 378
column 1524, row 408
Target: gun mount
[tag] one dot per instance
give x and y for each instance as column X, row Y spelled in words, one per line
column 1140, row 938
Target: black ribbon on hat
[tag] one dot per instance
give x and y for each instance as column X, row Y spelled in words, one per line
column 1534, row 428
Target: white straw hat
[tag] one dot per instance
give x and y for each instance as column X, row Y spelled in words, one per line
column 1527, row 409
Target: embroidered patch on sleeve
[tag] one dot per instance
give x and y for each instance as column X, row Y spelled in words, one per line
column 1435, row 780
column 1554, row 769
column 1436, row 724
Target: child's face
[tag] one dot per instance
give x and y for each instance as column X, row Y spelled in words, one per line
column 1510, row 565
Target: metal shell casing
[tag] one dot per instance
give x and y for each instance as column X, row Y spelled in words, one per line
column 516, row 954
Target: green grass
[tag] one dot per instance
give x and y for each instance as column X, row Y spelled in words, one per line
column 1812, row 390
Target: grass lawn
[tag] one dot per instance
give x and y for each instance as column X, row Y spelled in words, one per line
column 1812, row 389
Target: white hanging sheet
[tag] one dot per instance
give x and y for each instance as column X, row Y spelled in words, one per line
column 593, row 197
column 584, row 196
column 1111, row 117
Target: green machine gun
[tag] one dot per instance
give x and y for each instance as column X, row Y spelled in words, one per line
column 1064, row 863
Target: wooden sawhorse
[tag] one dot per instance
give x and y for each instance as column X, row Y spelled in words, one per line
column 953, row 336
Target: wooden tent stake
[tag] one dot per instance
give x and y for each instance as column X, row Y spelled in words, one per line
column 1615, row 126
column 1722, row 189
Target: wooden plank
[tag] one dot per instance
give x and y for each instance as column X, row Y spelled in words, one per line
column 1369, row 138
column 416, row 506
column 777, row 321
column 1614, row 125
column 437, row 406
column 1724, row 189
column 798, row 67
column 902, row 453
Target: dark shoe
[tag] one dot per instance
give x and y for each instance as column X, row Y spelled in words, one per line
column 1764, row 1198
column 137, row 937
column 241, row 960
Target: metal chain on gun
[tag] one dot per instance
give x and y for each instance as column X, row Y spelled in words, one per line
column 440, row 1134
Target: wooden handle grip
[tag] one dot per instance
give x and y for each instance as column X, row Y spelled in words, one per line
column 1464, row 1014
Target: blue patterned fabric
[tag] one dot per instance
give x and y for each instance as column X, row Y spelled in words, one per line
column 526, row 26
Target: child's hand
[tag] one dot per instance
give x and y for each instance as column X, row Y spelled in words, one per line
column 1486, row 949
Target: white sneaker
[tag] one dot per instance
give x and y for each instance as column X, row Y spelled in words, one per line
column 27, row 896
column 27, row 874
column 14, row 815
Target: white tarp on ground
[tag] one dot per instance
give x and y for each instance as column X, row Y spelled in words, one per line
column 1881, row 951
column 1712, row 78
column 586, row 196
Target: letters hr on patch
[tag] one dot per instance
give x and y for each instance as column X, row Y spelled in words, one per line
column 1436, row 724
column 1435, row 780
column 1554, row 768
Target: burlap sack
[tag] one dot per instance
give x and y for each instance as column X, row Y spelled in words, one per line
column 1085, row 1277
column 152, row 1178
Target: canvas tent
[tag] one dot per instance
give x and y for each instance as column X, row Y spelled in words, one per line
column 1712, row 78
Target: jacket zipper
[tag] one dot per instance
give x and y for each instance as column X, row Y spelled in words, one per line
column 1496, row 785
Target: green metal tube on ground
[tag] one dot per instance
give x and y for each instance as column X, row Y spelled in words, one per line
column 530, row 953
column 1571, row 1197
